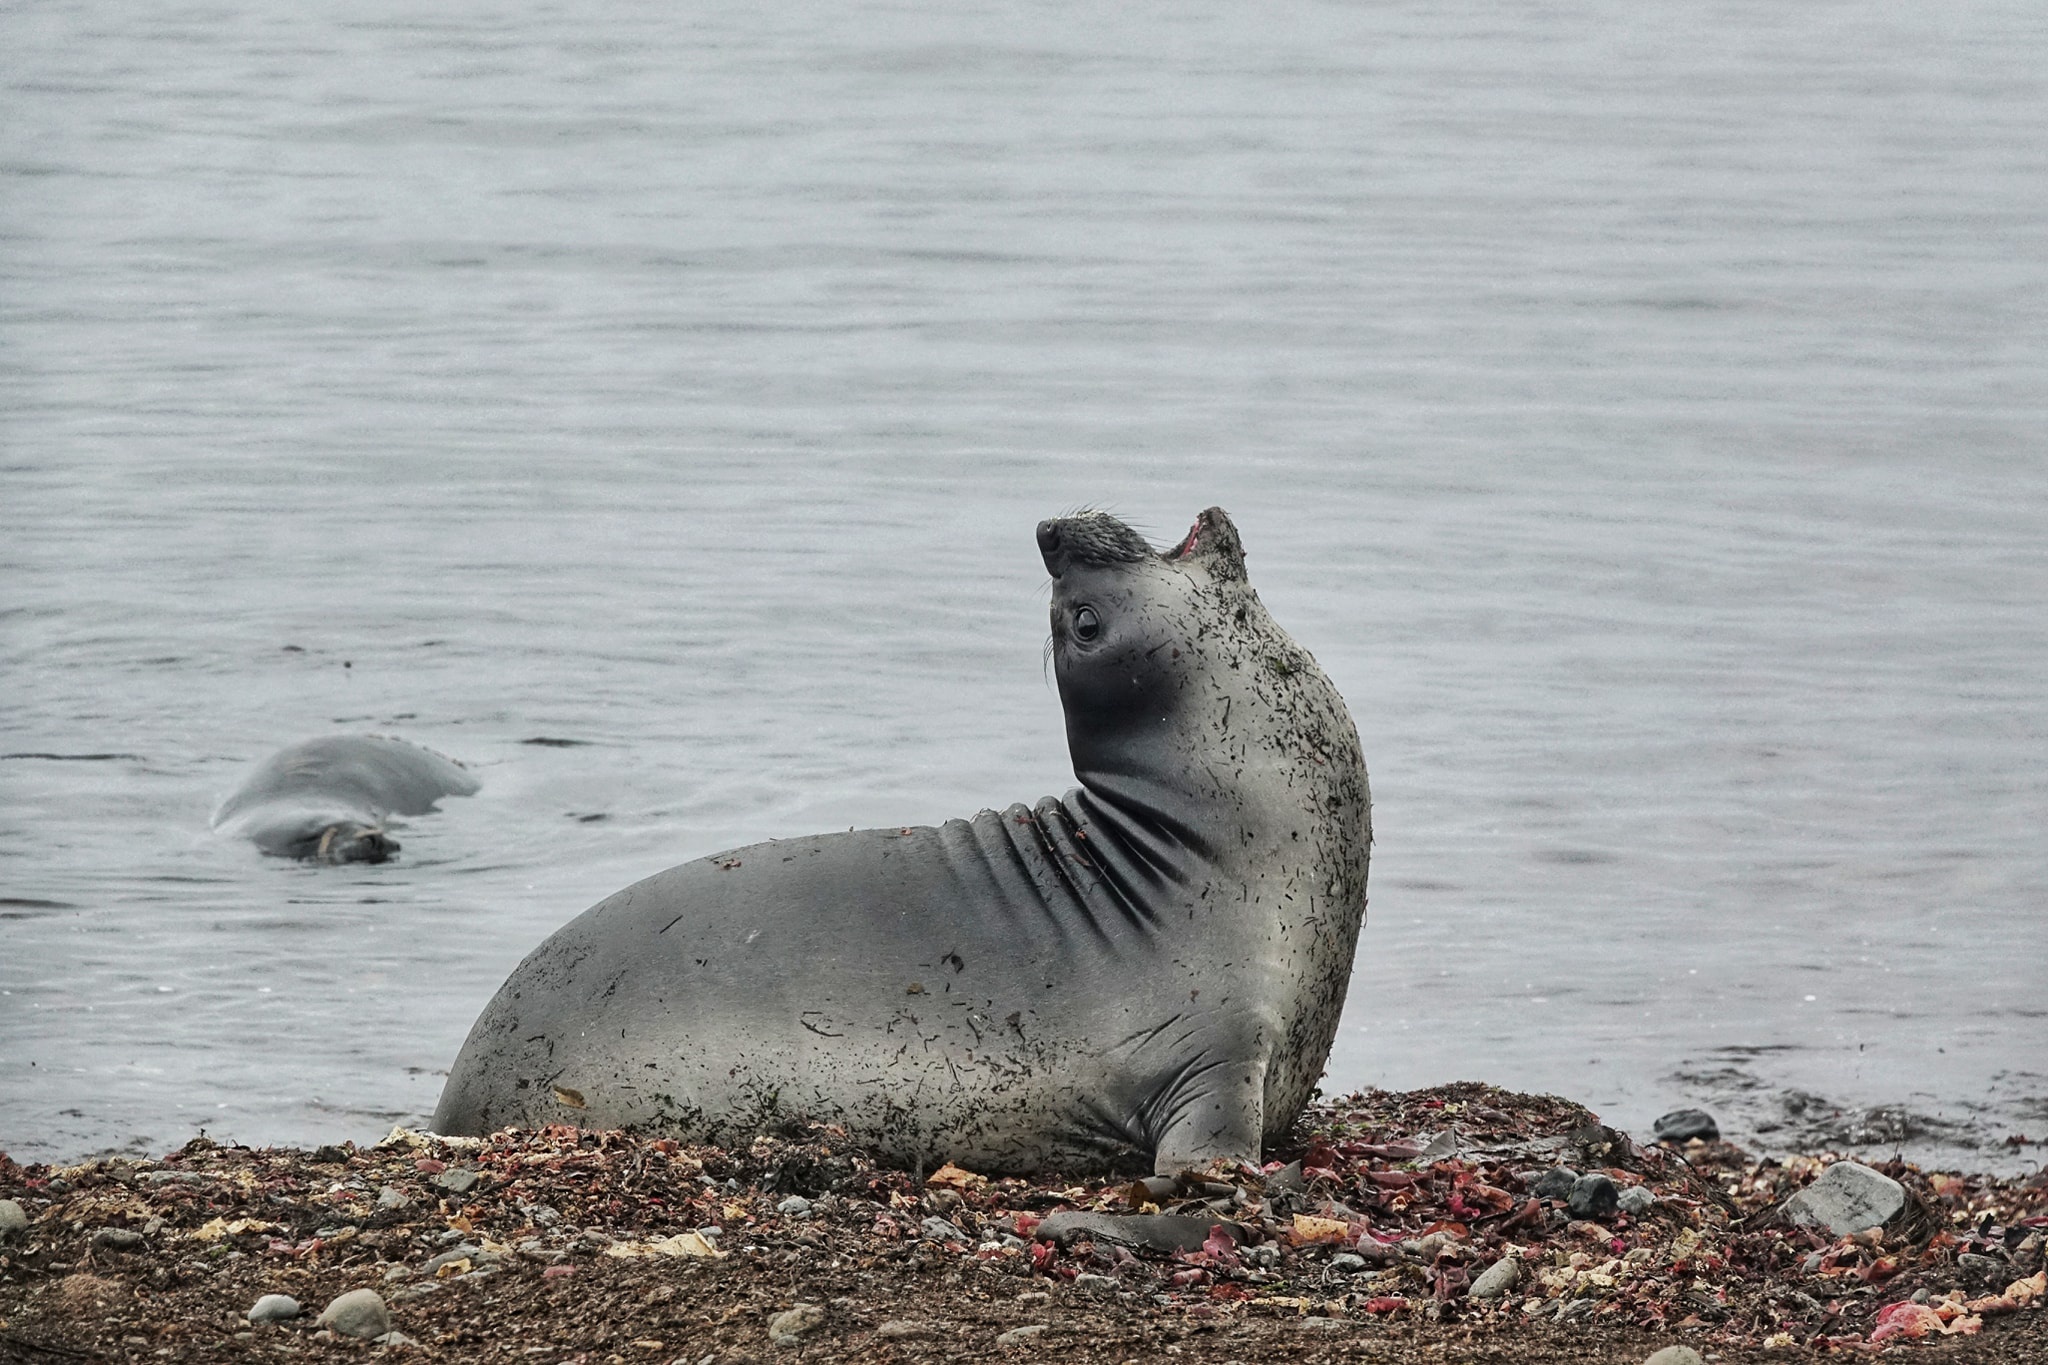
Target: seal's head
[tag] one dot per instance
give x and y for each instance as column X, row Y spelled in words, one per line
column 349, row 842
column 1129, row 623
column 1181, row 693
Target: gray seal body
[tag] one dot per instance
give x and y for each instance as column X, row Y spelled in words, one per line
column 328, row 799
column 1148, row 971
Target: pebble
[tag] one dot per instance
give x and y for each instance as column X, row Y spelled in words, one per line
column 358, row 1313
column 116, row 1239
column 1683, row 1125
column 1022, row 1336
column 1593, row 1196
column 796, row 1206
column 901, row 1329
column 1498, row 1278
column 391, row 1197
column 274, row 1308
column 1636, row 1200
column 1848, row 1197
column 1093, row 1282
column 13, row 1220
column 793, row 1325
column 457, row 1182
column 1345, row 1263
column 1675, row 1355
column 1165, row 1233
column 937, row 1229
column 1555, row 1184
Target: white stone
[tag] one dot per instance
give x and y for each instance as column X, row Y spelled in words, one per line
column 788, row 1328
column 274, row 1308
column 1675, row 1355
column 358, row 1313
column 1848, row 1197
column 1498, row 1278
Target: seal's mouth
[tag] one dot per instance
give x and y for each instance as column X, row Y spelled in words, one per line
column 1098, row 540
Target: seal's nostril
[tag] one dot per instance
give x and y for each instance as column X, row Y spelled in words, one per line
column 1048, row 537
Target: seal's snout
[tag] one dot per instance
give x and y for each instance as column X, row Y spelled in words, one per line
column 1089, row 540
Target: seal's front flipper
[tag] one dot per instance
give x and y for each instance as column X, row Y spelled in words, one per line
column 349, row 842
column 1223, row 1120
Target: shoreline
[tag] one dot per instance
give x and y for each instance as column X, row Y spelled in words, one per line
column 1391, row 1226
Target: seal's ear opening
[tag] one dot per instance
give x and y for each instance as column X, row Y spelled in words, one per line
column 1212, row 543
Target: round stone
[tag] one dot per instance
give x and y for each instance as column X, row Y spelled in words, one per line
column 358, row 1313
column 274, row 1308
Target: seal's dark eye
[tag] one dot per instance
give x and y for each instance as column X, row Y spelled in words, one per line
column 1086, row 625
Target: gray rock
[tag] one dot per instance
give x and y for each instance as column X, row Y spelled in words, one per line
column 274, row 1308
column 902, row 1329
column 450, row 1257
column 1446, row 1143
column 116, row 1239
column 1984, row 1269
column 1675, row 1355
column 1022, row 1336
column 1498, row 1278
column 796, row 1206
column 1636, row 1200
column 937, row 1229
column 1848, row 1197
column 1345, row 1263
column 1555, row 1184
column 393, row 1338
column 1160, row 1188
column 1162, row 1232
column 1287, row 1180
column 457, row 1182
column 391, row 1197
column 13, row 1220
column 790, row 1327
column 1593, row 1196
column 358, row 1313
column 1683, row 1125
column 1094, row 1282
column 397, row 1273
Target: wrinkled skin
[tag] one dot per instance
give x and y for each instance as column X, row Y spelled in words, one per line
column 1146, row 973
column 326, row 800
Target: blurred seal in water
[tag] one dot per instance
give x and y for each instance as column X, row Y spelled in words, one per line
column 1146, row 972
column 328, row 799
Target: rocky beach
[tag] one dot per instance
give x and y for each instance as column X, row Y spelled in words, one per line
column 1452, row 1224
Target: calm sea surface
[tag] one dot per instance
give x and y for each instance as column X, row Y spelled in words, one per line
column 1639, row 411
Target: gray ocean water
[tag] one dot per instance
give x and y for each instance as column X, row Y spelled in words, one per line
column 1638, row 410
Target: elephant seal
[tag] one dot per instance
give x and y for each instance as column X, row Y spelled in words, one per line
column 327, row 799
column 1148, row 970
